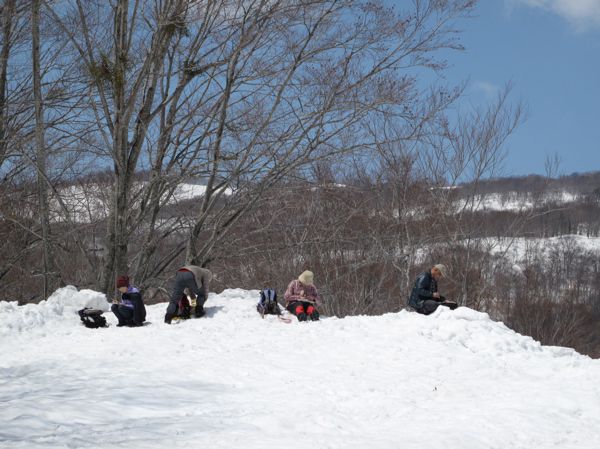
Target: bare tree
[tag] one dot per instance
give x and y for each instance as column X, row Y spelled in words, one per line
column 360, row 49
column 7, row 12
column 240, row 93
column 477, row 149
column 124, row 76
column 43, row 212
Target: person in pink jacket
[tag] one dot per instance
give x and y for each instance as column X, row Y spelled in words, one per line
column 302, row 297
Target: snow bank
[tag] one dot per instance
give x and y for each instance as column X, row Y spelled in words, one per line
column 454, row 379
column 60, row 309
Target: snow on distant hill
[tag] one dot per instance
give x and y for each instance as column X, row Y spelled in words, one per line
column 514, row 201
column 231, row 380
column 90, row 202
column 516, row 248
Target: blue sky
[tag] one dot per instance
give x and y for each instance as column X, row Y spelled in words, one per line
column 550, row 51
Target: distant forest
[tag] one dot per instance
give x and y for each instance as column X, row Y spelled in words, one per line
column 585, row 184
column 549, row 215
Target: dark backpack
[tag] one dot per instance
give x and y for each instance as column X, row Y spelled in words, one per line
column 92, row 318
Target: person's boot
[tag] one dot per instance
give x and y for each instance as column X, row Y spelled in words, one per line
column 127, row 323
column 168, row 318
column 314, row 316
column 302, row 316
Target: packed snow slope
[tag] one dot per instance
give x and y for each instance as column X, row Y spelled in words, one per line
column 231, row 380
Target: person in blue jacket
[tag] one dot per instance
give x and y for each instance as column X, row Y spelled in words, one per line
column 424, row 297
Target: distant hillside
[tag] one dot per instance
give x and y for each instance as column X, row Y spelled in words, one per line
column 524, row 250
column 581, row 184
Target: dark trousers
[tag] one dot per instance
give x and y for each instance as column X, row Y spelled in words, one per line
column 123, row 313
column 430, row 306
column 301, row 309
column 183, row 280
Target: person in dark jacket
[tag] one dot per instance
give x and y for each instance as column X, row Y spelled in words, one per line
column 194, row 281
column 130, row 309
column 424, row 297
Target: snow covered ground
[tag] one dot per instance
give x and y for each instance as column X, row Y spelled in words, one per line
column 231, row 380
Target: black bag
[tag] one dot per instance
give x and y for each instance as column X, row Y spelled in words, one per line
column 92, row 318
column 448, row 303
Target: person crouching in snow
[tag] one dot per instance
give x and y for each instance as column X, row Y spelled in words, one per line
column 302, row 298
column 195, row 280
column 130, row 309
column 424, row 297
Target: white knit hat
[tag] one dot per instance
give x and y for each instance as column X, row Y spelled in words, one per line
column 306, row 277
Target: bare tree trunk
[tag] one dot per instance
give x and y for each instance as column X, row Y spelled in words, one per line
column 8, row 12
column 125, row 99
column 116, row 261
column 49, row 268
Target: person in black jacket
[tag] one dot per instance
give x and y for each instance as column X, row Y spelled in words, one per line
column 424, row 297
column 130, row 309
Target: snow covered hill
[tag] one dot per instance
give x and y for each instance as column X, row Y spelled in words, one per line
column 88, row 203
column 231, row 380
column 515, row 201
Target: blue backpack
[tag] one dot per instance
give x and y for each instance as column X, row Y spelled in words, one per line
column 267, row 305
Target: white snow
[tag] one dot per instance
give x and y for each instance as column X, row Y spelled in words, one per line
column 90, row 202
column 231, row 380
column 516, row 248
column 40, row 319
column 514, row 201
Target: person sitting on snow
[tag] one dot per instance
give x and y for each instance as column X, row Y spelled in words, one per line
column 130, row 309
column 424, row 297
column 302, row 298
column 195, row 280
